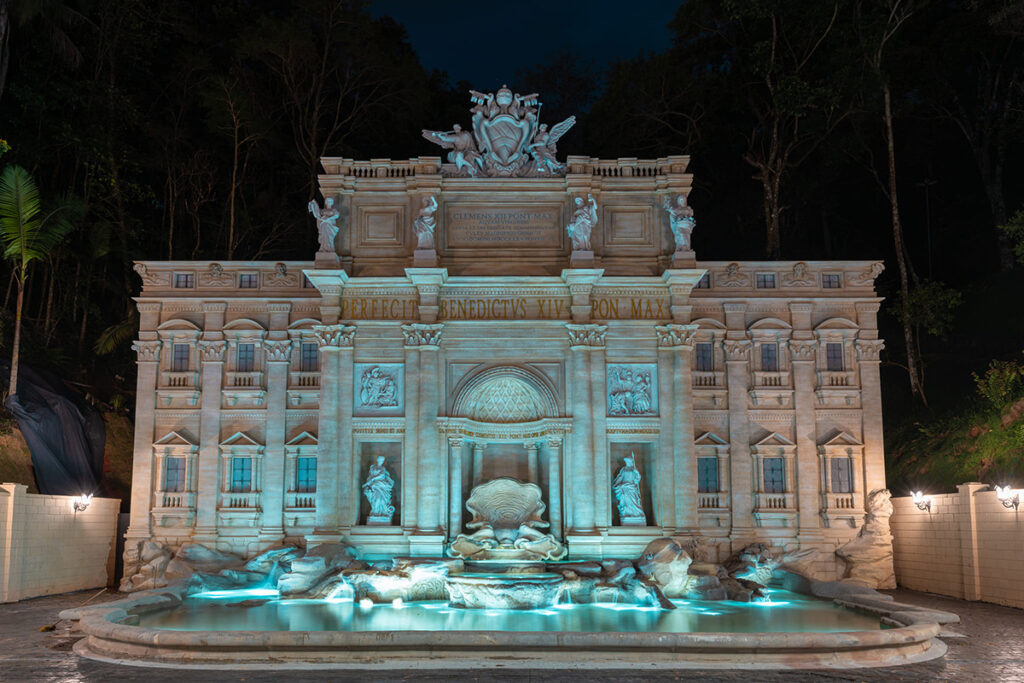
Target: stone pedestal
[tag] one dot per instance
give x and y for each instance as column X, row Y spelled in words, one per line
column 424, row 258
column 373, row 520
column 327, row 260
column 581, row 259
column 634, row 521
column 684, row 258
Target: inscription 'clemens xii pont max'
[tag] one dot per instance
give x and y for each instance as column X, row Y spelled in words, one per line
column 511, row 226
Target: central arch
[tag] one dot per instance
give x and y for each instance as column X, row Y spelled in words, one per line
column 505, row 394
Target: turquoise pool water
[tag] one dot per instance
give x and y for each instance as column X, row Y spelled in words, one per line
column 264, row 611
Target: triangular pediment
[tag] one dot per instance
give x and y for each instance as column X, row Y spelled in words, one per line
column 775, row 439
column 303, row 439
column 710, row 439
column 174, row 438
column 240, row 439
column 842, row 439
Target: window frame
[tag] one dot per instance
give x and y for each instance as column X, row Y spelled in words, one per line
column 249, row 280
column 250, row 361
column 775, row 364
column 701, row 484
column 246, row 462
column 781, row 460
column 831, row 280
column 761, row 281
column 188, row 278
column 310, row 467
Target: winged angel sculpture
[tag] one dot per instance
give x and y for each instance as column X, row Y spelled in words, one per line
column 507, row 139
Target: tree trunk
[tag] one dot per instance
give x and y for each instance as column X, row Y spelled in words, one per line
column 12, row 388
column 897, row 233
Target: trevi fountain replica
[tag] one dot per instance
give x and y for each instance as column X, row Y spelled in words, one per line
column 506, row 418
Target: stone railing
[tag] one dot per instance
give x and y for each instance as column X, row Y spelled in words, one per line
column 627, row 167
column 845, row 378
column 707, row 501
column 841, row 501
column 708, row 379
column 177, row 380
column 298, row 380
column 771, row 379
column 773, row 501
column 240, row 501
column 300, row 501
column 247, row 380
column 176, row 499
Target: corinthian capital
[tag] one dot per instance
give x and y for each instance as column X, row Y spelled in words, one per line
column 802, row 349
column 869, row 349
column 423, row 336
column 586, row 335
column 334, row 336
column 278, row 351
column 147, row 351
column 675, row 336
column 211, row 351
column 737, row 349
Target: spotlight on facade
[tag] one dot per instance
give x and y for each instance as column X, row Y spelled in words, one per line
column 1008, row 498
column 922, row 501
column 81, row 503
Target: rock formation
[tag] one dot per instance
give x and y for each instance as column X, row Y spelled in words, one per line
column 868, row 557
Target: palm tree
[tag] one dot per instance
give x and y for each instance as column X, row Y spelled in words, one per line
column 27, row 235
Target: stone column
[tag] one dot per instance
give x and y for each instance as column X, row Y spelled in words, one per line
column 600, row 461
column 278, row 355
column 331, row 339
column 664, row 495
column 411, row 452
column 737, row 356
column 581, row 469
column 148, row 355
column 478, row 463
column 531, row 461
column 554, row 486
column 868, row 352
column 678, row 338
column 803, row 356
column 454, row 486
column 211, row 354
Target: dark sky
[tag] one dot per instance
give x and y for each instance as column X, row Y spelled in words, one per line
column 484, row 42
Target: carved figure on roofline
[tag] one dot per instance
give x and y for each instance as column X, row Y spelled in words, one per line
column 626, row 488
column 800, row 277
column 543, row 150
column 424, row 225
column 377, row 489
column 680, row 217
column 463, row 149
column 326, row 223
column 584, row 219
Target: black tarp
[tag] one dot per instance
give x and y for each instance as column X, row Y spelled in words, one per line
column 64, row 433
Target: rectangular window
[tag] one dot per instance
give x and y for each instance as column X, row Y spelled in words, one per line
column 704, row 282
column 305, row 474
column 705, row 357
column 309, row 360
column 184, row 280
column 248, row 281
column 246, row 358
column 174, row 474
column 241, row 475
column 179, row 358
column 707, row 475
column 765, row 280
column 841, row 479
column 769, row 357
column 831, row 281
column 834, row 357
column 774, row 475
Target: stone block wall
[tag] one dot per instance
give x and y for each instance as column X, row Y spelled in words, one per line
column 968, row 545
column 46, row 548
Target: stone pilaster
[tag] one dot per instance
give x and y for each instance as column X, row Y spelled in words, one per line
column 532, row 447
column 424, row 342
column 677, row 339
column 211, row 354
column 278, row 357
column 331, row 430
column 868, row 359
column 663, row 489
column 737, row 359
column 803, row 356
column 580, row 470
column 476, row 476
column 143, row 477
column 554, row 486
column 454, row 487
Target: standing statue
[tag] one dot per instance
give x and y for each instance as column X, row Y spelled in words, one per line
column 584, row 218
column 423, row 226
column 680, row 217
column 543, row 150
column 463, row 148
column 378, row 488
column 627, row 494
column 326, row 223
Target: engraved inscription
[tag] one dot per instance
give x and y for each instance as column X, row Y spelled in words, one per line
column 503, row 226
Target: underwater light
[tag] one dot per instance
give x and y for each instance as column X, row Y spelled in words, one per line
column 365, row 603
column 397, row 603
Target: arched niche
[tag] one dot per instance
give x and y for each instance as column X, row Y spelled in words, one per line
column 504, row 395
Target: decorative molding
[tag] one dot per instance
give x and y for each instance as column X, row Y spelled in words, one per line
column 147, row 351
column 869, row 349
column 799, row 276
column 148, row 306
column 423, row 336
column 212, row 351
column 867, row 276
column 278, row 351
column 280, row 277
column 334, row 336
column 737, row 349
column 591, row 335
column 802, row 349
column 216, row 277
column 675, row 336
column 151, row 279
column 732, row 277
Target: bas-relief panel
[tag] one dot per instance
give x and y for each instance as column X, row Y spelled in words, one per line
column 632, row 389
column 379, row 389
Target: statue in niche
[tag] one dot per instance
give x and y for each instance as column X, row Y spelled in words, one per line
column 423, row 226
column 629, row 392
column 326, row 223
column 584, row 219
column 680, row 217
column 543, row 150
column 626, row 488
column 463, row 148
column 377, row 489
column 378, row 389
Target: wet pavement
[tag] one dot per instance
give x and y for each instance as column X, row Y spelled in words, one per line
column 991, row 649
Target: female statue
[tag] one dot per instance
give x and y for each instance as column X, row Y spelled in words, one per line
column 377, row 489
column 627, row 493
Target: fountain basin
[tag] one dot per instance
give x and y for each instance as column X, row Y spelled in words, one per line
column 504, row 591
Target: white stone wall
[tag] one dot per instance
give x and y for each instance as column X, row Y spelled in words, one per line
column 967, row 546
column 46, row 548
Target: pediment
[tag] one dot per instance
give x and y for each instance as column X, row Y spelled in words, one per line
column 710, row 439
column 303, row 439
column 240, row 439
column 842, row 439
column 174, row 438
column 775, row 439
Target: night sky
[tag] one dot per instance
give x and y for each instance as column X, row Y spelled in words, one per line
column 485, row 43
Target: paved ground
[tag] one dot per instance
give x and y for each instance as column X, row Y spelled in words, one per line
column 992, row 650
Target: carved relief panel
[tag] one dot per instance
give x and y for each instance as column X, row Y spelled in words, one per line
column 632, row 389
column 379, row 389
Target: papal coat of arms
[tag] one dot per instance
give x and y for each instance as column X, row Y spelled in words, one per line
column 507, row 139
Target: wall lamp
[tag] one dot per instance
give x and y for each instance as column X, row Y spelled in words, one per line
column 1008, row 498
column 921, row 501
column 81, row 503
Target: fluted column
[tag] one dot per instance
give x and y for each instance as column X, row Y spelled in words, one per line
column 211, row 354
column 278, row 355
column 803, row 354
column 148, row 357
column 478, row 463
column 580, row 474
column 868, row 354
column 531, row 461
column 737, row 357
column 454, row 486
column 554, row 486
column 677, row 339
column 331, row 340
